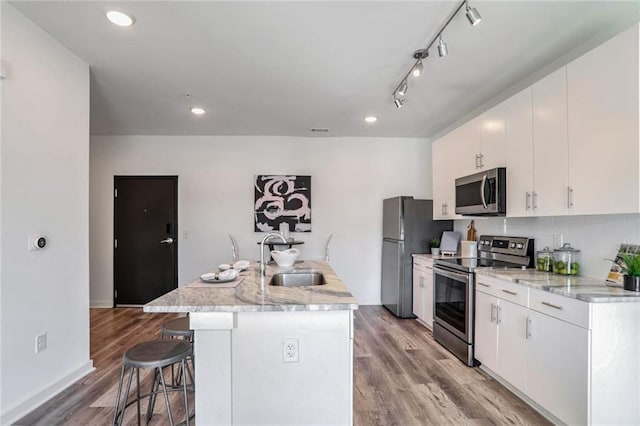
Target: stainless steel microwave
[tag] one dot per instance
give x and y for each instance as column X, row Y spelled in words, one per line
column 482, row 194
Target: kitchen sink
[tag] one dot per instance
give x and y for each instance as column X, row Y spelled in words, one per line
column 298, row 278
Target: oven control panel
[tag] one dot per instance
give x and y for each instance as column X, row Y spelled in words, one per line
column 517, row 246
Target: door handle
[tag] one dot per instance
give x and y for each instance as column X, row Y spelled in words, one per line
column 493, row 316
column 528, row 328
column 528, row 202
column 482, row 186
column 570, row 196
column 167, row 241
column 534, row 198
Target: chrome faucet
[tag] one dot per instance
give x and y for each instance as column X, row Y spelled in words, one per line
column 263, row 265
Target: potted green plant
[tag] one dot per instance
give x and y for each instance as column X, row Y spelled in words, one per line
column 631, row 268
column 435, row 246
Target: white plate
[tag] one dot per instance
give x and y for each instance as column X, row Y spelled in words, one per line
column 215, row 278
column 241, row 265
column 224, row 266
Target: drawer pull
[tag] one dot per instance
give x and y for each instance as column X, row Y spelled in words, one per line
column 551, row 305
column 528, row 328
column 484, row 285
column 493, row 316
column 513, row 293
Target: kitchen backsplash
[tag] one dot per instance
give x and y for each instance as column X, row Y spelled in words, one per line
column 598, row 237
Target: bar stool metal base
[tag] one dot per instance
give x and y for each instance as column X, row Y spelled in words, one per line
column 154, row 354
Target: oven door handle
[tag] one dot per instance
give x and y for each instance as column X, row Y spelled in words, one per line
column 452, row 275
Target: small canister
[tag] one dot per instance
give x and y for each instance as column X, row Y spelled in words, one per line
column 544, row 260
column 566, row 260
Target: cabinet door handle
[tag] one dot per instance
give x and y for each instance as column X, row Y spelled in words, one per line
column 534, row 196
column 528, row 202
column 493, row 316
column 570, row 196
column 477, row 161
column 483, row 284
column 513, row 293
column 422, row 281
column 499, row 314
column 551, row 305
column 528, row 328
column 481, row 162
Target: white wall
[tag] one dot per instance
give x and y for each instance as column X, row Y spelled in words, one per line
column 44, row 174
column 598, row 237
column 349, row 178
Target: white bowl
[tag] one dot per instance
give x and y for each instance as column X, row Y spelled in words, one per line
column 285, row 257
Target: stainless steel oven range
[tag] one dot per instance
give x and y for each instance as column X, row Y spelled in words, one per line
column 454, row 289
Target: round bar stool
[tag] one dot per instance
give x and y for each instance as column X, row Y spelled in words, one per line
column 178, row 327
column 154, row 354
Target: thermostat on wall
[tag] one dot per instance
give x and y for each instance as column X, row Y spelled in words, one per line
column 37, row 242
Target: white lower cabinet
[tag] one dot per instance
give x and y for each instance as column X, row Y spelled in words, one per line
column 577, row 361
column 500, row 337
column 423, row 291
column 558, row 367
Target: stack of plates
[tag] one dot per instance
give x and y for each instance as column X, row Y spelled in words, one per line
column 240, row 265
column 220, row 277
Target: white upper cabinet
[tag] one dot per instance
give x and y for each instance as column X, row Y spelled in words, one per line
column 603, row 128
column 482, row 142
column 447, row 162
column 492, row 138
column 519, row 152
column 537, row 148
column 550, row 146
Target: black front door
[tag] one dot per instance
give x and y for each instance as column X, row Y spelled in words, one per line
column 145, row 255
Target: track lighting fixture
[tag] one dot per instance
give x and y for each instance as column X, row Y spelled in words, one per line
column 442, row 47
column 472, row 15
column 419, row 55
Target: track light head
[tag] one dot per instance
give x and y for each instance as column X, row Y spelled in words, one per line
column 417, row 69
column 473, row 16
column 419, row 54
column 398, row 102
column 442, row 48
column 402, row 89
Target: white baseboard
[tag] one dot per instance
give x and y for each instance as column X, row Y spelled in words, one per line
column 101, row 303
column 21, row 410
column 369, row 303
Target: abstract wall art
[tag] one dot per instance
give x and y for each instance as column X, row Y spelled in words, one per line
column 282, row 199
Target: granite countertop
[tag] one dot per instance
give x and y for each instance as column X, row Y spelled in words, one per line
column 582, row 288
column 253, row 294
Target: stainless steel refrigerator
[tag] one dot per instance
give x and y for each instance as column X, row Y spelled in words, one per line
column 407, row 227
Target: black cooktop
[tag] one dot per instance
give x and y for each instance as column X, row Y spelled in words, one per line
column 469, row 264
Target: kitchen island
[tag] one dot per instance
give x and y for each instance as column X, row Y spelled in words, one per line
column 269, row 354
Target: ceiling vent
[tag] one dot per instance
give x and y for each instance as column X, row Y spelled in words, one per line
column 319, row 130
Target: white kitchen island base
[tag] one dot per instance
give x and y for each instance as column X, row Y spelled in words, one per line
column 267, row 354
column 241, row 376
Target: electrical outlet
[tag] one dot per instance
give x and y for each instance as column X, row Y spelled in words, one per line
column 290, row 350
column 41, row 342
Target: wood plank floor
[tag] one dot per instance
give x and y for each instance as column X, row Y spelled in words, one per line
column 401, row 377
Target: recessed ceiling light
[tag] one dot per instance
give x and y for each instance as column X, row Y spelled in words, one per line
column 197, row 110
column 120, row 19
column 371, row 119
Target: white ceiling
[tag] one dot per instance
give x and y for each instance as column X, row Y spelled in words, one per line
column 281, row 68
